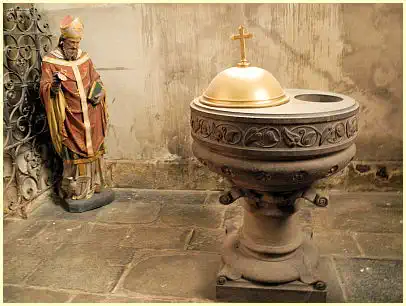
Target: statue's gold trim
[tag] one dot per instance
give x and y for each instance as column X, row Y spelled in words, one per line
column 56, row 118
column 86, row 160
column 58, row 61
column 83, row 99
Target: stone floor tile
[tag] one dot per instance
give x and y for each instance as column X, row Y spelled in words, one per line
column 28, row 230
column 371, row 280
column 128, row 212
column 52, row 209
column 107, row 234
column 329, row 275
column 13, row 294
column 94, row 268
column 126, row 194
column 149, row 237
column 94, row 298
column 210, row 240
column 153, row 226
column 359, row 217
column 187, row 197
column 13, row 227
column 20, row 259
column 60, row 231
column 181, row 275
column 375, row 199
column 124, row 299
column 381, row 245
column 155, row 196
column 333, row 242
column 89, row 298
column 193, row 215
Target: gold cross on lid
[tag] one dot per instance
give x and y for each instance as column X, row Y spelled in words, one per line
column 242, row 36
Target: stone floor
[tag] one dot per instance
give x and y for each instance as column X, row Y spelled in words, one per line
column 163, row 246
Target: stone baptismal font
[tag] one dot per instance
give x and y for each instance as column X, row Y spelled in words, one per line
column 271, row 144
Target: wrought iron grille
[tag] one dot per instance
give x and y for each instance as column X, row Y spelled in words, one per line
column 30, row 162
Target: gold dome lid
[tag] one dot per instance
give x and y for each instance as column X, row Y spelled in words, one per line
column 244, row 86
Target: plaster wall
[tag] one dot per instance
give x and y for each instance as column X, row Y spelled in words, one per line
column 155, row 58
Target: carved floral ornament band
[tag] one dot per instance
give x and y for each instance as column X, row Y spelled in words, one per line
column 300, row 136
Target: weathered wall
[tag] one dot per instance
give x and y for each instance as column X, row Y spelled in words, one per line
column 155, row 58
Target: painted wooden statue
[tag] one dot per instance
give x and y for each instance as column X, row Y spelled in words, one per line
column 75, row 102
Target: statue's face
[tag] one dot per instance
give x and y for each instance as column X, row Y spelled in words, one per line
column 70, row 48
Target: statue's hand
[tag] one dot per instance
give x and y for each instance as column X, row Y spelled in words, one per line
column 56, row 83
column 98, row 98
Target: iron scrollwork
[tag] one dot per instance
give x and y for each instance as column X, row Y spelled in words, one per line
column 28, row 152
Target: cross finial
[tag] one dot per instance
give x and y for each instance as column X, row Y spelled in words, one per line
column 242, row 36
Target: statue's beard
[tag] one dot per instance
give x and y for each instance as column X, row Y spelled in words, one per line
column 70, row 54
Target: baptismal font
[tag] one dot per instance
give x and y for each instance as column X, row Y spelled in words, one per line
column 272, row 145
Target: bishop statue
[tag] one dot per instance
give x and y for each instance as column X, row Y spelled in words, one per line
column 75, row 103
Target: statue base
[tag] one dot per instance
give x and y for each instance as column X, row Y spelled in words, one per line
column 242, row 290
column 97, row 200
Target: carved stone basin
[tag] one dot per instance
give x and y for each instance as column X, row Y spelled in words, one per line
column 271, row 144
column 285, row 147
